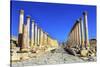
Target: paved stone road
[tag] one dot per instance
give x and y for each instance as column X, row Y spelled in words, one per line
column 58, row 57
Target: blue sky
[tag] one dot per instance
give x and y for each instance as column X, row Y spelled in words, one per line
column 55, row 19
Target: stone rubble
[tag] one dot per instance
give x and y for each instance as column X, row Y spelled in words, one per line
column 59, row 56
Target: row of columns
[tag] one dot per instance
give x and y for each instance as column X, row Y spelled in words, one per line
column 79, row 33
column 38, row 38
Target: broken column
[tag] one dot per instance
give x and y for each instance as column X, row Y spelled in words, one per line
column 25, row 32
column 86, row 29
column 20, row 34
column 28, row 30
column 33, row 34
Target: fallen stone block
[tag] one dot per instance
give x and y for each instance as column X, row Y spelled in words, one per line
column 84, row 53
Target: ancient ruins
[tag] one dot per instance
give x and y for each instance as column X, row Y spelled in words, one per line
column 78, row 40
column 33, row 41
column 40, row 41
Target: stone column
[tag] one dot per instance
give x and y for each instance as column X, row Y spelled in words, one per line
column 74, row 36
column 71, row 39
column 79, row 34
column 41, row 38
column 33, row 34
column 45, row 38
column 38, row 36
column 28, row 30
column 82, row 33
column 20, row 34
column 25, row 46
column 86, row 29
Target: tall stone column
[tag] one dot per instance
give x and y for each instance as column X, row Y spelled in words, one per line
column 79, row 34
column 25, row 32
column 82, row 33
column 86, row 29
column 76, row 34
column 73, row 37
column 36, row 35
column 20, row 34
column 41, row 38
column 33, row 34
column 28, row 30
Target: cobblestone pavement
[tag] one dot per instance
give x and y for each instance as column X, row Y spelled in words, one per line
column 59, row 56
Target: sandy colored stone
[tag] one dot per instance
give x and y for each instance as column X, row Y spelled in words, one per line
column 84, row 53
column 15, row 57
column 24, row 56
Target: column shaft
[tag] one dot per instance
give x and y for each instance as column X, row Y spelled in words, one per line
column 82, row 33
column 20, row 33
column 24, row 45
column 28, row 30
column 33, row 34
column 86, row 29
column 79, row 34
column 38, row 36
